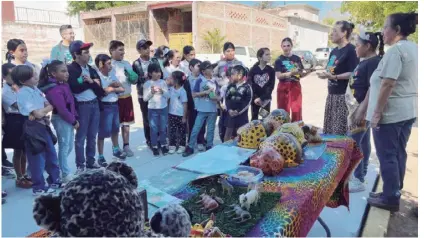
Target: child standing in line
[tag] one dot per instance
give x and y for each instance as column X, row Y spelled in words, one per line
column 155, row 92
column 237, row 100
column 177, row 117
column 223, row 110
column 262, row 79
column 53, row 83
column 192, row 108
column 206, row 90
column 14, row 121
column 109, row 116
column 122, row 69
column 38, row 137
column 188, row 54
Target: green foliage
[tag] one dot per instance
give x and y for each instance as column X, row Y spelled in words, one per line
column 264, row 5
column 214, row 40
column 329, row 21
column 75, row 7
column 372, row 14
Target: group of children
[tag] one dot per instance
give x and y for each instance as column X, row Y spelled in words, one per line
column 180, row 100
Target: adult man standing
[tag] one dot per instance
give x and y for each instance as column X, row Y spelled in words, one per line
column 61, row 50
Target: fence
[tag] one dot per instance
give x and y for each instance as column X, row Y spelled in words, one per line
column 48, row 17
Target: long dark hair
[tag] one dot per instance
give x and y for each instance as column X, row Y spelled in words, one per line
column 169, row 56
column 21, row 74
column 12, row 45
column 407, row 22
column 179, row 77
column 186, row 50
column 346, row 27
column 259, row 55
column 46, row 71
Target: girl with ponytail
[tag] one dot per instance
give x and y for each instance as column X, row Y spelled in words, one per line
column 357, row 100
column 262, row 79
column 17, row 53
column 171, row 63
column 393, row 105
column 188, row 54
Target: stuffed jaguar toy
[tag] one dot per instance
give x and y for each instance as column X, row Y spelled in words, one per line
column 286, row 145
column 100, row 202
column 251, row 135
column 172, row 220
column 275, row 119
column 268, row 160
column 295, row 130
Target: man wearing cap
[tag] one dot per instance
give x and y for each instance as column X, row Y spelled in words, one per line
column 206, row 91
column 61, row 50
column 140, row 66
column 85, row 86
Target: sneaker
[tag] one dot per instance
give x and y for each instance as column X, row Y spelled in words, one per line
column 80, row 170
column 3, row 194
column 164, row 150
column 93, row 166
column 43, row 192
column 181, row 150
column 27, row 178
column 200, row 147
column 119, row 154
column 189, row 151
column 128, row 151
column 7, row 164
column 383, row 203
column 7, row 173
column 208, row 148
column 102, row 162
column 23, row 183
column 172, row 149
column 155, row 151
column 57, row 185
column 355, row 186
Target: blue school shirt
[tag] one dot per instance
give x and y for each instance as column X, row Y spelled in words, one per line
column 205, row 104
column 30, row 99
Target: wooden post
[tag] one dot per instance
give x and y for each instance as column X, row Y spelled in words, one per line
column 113, row 23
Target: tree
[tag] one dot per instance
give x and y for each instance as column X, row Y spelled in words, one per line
column 264, row 5
column 75, row 7
column 372, row 14
column 214, row 40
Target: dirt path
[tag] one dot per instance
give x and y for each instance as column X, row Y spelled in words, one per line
column 404, row 223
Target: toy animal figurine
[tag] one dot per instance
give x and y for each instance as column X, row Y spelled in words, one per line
column 213, row 232
column 249, row 198
column 311, row 134
column 212, row 192
column 226, row 186
column 209, row 204
column 240, row 215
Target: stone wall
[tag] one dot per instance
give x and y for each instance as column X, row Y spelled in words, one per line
column 239, row 24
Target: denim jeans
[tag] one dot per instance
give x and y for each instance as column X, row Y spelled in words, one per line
column 363, row 141
column 158, row 120
column 65, row 139
column 390, row 143
column 88, row 118
column 210, row 118
column 109, row 121
column 46, row 160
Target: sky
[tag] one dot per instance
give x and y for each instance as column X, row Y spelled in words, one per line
column 326, row 7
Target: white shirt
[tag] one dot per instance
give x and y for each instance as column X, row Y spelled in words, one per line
column 156, row 100
column 88, row 94
column 106, row 81
column 118, row 69
column 177, row 99
column 29, row 100
column 168, row 70
column 185, row 67
column 9, row 97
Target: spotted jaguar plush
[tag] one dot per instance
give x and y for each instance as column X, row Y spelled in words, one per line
column 251, row 135
column 293, row 129
column 268, row 160
column 286, row 145
column 100, row 202
column 275, row 119
column 172, row 220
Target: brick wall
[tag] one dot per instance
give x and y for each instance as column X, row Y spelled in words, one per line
column 240, row 24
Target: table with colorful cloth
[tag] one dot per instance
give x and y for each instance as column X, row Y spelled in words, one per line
column 305, row 190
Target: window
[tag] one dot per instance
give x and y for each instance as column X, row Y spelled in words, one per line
column 252, row 53
column 240, row 51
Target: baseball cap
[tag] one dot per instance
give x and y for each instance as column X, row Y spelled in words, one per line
column 207, row 65
column 142, row 43
column 79, row 45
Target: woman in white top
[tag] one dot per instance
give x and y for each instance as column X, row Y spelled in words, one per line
column 171, row 63
column 188, row 54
